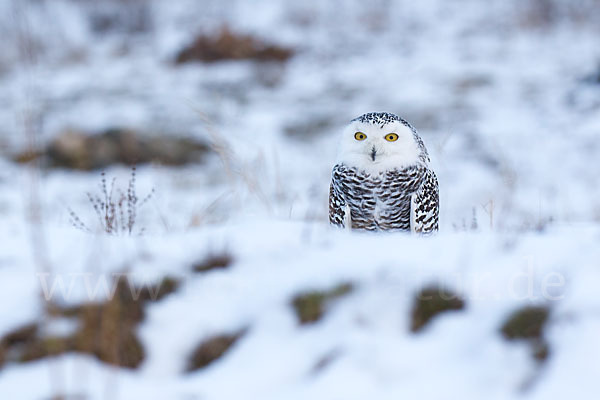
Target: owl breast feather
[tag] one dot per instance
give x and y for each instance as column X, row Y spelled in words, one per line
column 377, row 202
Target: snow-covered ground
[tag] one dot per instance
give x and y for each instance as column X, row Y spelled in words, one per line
column 366, row 333
column 504, row 97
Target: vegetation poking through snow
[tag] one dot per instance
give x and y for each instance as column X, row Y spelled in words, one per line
column 212, row 349
column 106, row 330
column 430, row 302
column 15, row 340
column 528, row 323
column 214, row 261
column 311, row 306
column 117, row 210
column 227, row 45
column 165, row 287
column 91, row 151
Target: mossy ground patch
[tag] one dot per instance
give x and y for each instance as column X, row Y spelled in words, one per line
column 228, row 45
column 212, row 349
column 430, row 302
column 528, row 323
column 106, row 330
column 213, row 262
column 310, row 306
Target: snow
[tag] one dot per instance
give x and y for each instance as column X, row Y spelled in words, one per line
column 375, row 354
column 510, row 122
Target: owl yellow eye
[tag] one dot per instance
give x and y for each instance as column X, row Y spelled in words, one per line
column 391, row 137
column 360, row 136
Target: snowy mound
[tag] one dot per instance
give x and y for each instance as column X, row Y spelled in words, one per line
column 363, row 341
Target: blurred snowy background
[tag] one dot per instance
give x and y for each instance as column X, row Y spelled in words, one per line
column 231, row 111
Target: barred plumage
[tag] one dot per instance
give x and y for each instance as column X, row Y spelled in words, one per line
column 425, row 205
column 379, row 185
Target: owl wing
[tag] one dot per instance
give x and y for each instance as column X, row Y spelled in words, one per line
column 339, row 212
column 424, row 205
column 337, row 207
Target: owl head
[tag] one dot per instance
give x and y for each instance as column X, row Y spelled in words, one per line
column 380, row 141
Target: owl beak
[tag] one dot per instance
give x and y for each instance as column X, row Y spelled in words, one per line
column 373, row 153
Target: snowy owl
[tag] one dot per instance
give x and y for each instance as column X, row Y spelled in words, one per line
column 381, row 179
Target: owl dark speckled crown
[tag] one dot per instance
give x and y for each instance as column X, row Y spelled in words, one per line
column 382, row 118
